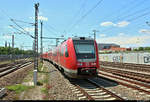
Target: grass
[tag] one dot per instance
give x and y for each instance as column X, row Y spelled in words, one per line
column 44, row 90
column 40, row 66
column 5, row 62
column 18, row 88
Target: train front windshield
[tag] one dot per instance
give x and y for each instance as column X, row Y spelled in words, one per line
column 85, row 49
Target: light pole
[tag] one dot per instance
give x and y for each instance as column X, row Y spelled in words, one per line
column 94, row 31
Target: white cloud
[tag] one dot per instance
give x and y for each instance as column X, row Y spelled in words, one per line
column 102, row 35
column 144, row 31
column 125, row 40
column 122, row 24
column 29, row 29
column 106, row 24
column 43, row 18
column 119, row 24
column 40, row 18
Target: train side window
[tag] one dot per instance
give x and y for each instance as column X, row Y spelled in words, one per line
column 62, row 51
column 66, row 52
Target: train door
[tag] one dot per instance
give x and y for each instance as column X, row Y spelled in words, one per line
column 59, row 55
column 66, row 56
column 62, row 55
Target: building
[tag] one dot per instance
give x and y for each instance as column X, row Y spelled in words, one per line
column 116, row 49
column 102, row 46
column 111, row 48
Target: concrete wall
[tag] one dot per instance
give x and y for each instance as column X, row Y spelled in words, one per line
column 138, row 58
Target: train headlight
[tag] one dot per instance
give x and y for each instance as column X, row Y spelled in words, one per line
column 93, row 64
column 79, row 64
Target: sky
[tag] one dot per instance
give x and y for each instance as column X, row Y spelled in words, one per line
column 122, row 22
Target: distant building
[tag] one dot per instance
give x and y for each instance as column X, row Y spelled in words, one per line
column 114, row 49
column 111, row 48
column 102, row 46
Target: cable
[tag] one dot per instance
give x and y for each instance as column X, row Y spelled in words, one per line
column 134, row 13
column 23, row 21
column 5, row 14
column 77, row 14
column 132, row 19
column 118, row 10
column 18, row 25
column 133, row 7
column 48, row 27
column 86, row 14
column 22, row 31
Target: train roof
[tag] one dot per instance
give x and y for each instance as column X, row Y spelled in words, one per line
column 78, row 38
column 82, row 38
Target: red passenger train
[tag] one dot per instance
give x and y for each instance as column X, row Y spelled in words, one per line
column 76, row 57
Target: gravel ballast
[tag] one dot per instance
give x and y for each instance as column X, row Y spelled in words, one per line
column 60, row 89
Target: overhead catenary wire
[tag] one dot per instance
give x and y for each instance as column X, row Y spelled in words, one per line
column 126, row 17
column 130, row 19
column 132, row 14
column 23, row 21
column 10, row 18
column 21, row 31
column 124, row 7
column 86, row 14
column 49, row 28
column 77, row 14
column 133, row 7
column 18, row 25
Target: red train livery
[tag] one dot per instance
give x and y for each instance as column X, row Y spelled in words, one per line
column 76, row 57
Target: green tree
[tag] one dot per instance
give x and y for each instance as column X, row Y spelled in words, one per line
column 141, row 48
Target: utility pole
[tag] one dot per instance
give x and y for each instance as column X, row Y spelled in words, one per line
column 36, row 44
column 41, row 40
column 13, row 48
column 94, row 31
column 9, row 44
column 57, row 40
column 5, row 43
column 12, row 41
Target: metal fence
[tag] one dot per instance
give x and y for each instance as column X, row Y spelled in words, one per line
column 138, row 58
column 14, row 57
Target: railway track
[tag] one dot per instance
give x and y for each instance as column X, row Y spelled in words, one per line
column 91, row 90
column 9, row 68
column 129, row 66
column 136, row 85
column 135, row 75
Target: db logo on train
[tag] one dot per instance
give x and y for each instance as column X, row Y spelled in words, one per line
column 146, row 59
column 87, row 64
